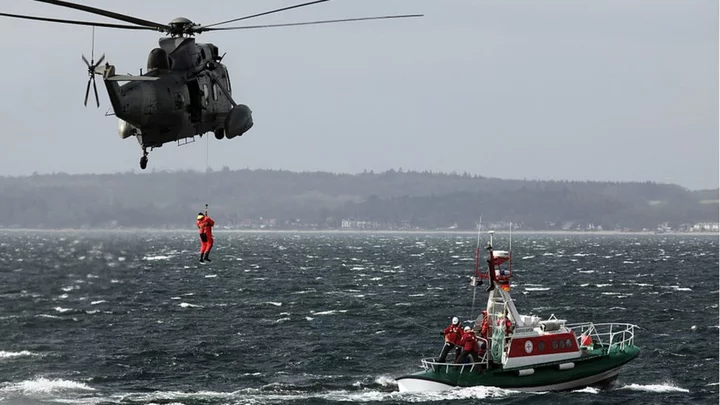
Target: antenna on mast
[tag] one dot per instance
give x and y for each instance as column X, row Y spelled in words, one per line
column 510, row 249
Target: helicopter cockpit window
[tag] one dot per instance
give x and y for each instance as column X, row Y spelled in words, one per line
column 206, row 95
column 215, row 91
column 202, row 53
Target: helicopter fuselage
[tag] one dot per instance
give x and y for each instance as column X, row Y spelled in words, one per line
column 191, row 95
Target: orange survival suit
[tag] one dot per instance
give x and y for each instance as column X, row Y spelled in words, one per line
column 205, row 224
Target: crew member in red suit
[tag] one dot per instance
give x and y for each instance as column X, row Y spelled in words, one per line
column 452, row 337
column 468, row 342
column 205, row 224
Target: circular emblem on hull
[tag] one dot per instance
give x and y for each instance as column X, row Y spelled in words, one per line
column 528, row 346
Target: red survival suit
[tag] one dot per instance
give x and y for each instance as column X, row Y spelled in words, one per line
column 452, row 337
column 205, row 224
column 468, row 343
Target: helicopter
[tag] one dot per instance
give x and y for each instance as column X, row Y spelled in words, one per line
column 186, row 89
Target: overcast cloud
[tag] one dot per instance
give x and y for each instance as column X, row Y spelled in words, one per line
column 619, row 90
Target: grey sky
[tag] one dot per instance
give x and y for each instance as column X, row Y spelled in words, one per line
column 613, row 90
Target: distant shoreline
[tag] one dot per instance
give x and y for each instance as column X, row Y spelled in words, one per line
column 359, row 231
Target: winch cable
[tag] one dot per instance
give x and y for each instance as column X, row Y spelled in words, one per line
column 207, row 164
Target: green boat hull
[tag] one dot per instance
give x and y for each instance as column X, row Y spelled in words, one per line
column 594, row 367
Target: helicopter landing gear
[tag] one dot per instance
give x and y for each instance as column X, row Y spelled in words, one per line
column 220, row 133
column 144, row 159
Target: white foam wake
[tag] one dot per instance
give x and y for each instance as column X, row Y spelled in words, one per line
column 665, row 387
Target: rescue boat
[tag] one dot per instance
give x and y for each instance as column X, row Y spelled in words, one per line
column 525, row 353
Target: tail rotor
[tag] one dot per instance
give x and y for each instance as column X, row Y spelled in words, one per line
column 92, row 65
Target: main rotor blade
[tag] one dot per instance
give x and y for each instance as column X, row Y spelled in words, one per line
column 311, row 22
column 106, row 13
column 94, row 24
column 268, row 12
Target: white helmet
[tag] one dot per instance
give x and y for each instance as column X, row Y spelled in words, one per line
column 467, row 329
column 455, row 320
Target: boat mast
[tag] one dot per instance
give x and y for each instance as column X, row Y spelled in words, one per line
column 478, row 279
column 499, row 297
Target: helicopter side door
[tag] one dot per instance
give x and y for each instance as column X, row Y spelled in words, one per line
column 195, row 100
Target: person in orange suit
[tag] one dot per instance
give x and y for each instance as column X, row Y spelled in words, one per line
column 205, row 225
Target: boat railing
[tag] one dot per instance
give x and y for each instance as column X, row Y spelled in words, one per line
column 609, row 335
column 430, row 363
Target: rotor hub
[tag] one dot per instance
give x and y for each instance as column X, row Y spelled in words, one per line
column 181, row 26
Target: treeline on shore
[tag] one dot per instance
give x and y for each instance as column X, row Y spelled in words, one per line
column 393, row 199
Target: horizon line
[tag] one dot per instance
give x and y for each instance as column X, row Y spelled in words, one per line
column 370, row 172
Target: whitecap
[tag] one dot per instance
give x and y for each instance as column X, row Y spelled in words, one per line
column 187, row 305
column 9, row 355
column 654, row 388
column 678, row 288
column 331, row 312
column 45, row 385
column 97, row 302
column 48, row 316
column 157, row 257
column 277, row 304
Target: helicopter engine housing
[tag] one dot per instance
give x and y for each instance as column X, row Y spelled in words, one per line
column 238, row 121
column 158, row 59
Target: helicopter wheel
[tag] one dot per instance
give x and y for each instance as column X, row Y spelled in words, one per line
column 220, row 133
column 144, row 159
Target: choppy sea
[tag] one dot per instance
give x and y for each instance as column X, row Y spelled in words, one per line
column 306, row 318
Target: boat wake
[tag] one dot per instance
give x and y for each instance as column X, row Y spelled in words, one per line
column 664, row 387
column 380, row 389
